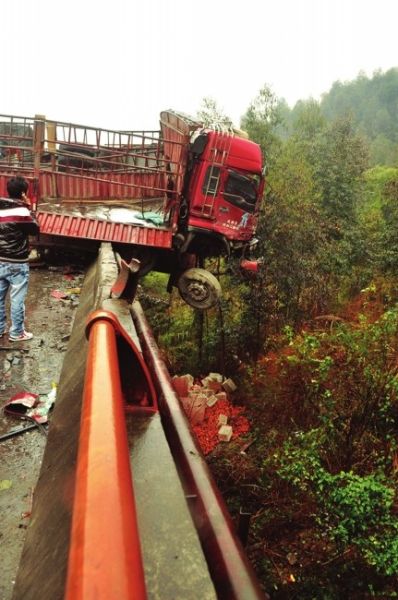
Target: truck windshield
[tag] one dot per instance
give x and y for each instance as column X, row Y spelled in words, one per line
column 241, row 190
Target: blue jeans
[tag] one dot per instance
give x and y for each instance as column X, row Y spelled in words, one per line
column 13, row 277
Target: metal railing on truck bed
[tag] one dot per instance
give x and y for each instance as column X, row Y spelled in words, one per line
column 77, row 174
column 65, row 161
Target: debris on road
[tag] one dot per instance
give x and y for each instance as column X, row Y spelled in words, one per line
column 23, row 440
column 19, row 404
column 58, row 294
column 19, row 430
column 27, row 404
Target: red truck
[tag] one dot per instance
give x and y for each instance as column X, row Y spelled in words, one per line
column 167, row 199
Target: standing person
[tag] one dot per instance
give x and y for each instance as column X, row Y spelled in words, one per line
column 16, row 224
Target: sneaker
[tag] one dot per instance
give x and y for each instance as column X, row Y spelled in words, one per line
column 22, row 337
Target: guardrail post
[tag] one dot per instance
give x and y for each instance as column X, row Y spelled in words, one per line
column 105, row 560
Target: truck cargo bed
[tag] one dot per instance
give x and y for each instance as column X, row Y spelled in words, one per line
column 128, row 224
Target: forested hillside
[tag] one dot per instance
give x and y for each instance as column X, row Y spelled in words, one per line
column 313, row 345
column 371, row 103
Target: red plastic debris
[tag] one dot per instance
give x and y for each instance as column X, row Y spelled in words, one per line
column 58, row 295
column 19, row 404
column 207, row 431
column 27, row 405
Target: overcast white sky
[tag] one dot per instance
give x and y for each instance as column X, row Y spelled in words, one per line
column 117, row 63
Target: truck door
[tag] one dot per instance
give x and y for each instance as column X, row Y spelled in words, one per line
column 229, row 198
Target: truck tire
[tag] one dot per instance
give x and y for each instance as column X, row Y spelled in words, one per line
column 199, row 288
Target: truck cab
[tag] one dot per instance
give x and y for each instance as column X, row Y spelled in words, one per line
column 223, row 192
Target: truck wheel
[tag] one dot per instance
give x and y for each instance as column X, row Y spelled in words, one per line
column 199, row 288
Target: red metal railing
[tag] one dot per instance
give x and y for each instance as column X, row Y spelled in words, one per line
column 105, row 561
column 68, row 164
column 69, row 161
column 231, row 572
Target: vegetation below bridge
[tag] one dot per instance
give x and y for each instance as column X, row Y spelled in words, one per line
column 312, row 344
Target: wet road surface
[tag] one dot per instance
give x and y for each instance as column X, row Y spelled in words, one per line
column 31, row 366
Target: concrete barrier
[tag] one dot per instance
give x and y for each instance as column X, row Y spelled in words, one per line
column 174, row 564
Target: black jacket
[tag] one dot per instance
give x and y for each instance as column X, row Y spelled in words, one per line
column 16, row 224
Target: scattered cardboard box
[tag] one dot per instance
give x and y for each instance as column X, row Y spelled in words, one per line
column 225, row 433
column 222, row 419
column 211, row 401
column 229, row 386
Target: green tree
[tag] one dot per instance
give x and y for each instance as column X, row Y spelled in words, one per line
column 383, row 151
column 371, row 103
column 341, row 160
column 294, row 246
column 211, row 114
column 308, row 120
column 390, row 232
column 262, row 120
